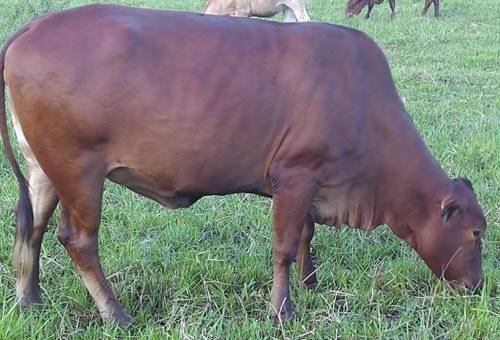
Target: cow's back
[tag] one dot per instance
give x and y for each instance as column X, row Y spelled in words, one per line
column 203, row 103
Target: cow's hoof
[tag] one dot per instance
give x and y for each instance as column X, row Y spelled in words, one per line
column 124, row 320
column 118, row 317
column 310, row 281
column 285, row 315
column 30, row 300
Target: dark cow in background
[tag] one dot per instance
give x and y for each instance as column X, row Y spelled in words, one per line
column 176, row 106
column 354, row 7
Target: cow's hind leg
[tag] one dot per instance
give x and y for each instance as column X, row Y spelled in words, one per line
column 26, row 255
column 305, row 267
column 78, row 232
column 426, row 7
column 370, row 7
column 436, row 9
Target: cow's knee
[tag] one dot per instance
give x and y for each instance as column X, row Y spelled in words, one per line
column 285, row 256
column 65, row 233
column 81, row 247
column 70, row 238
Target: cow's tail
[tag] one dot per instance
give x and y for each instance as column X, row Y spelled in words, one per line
column 24, row 211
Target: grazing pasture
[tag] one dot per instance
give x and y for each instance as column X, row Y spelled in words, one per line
column 205, row 272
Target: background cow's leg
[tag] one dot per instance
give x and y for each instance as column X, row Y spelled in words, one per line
column 305, row 267
column 288, row 15
column 392, row 4
column 26, row 255
column 436, row 9
column 370, row 6
column 81, row 214
column 299, row 10
column 426, row 6
column 291, row 203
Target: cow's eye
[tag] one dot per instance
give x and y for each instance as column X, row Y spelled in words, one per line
column 449, row 211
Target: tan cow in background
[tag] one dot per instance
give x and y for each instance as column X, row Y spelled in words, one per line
column 293, row 10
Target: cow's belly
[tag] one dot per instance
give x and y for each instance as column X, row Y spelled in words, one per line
column 152, row 188
column 171, row 190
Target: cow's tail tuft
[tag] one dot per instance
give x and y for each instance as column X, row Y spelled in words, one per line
column 24, row 211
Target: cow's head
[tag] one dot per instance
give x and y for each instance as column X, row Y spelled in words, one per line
column 354, row 7
column 450, row 238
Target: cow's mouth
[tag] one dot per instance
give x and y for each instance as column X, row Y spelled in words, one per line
column 472, row 285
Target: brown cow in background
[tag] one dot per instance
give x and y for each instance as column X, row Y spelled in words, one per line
column 354, row 7
column 177, row 106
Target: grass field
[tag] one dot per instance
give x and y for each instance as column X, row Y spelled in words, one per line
column 205, row 272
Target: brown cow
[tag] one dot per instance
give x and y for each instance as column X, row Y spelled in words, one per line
column 354, row 7
column 176, row 106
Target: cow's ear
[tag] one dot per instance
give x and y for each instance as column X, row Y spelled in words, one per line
column 449, row 208
column 463, row 181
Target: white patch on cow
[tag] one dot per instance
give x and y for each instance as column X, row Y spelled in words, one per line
column 99, row 295
column 23, row 143
column 41, row 189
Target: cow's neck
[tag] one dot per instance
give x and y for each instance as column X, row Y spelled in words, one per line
column 397, row 182
column 413, row 187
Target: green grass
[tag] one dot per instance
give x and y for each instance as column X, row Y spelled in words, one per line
column 205, row 272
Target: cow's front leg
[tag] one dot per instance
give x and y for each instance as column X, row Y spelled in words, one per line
column 292, row 198
column 305, row 268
